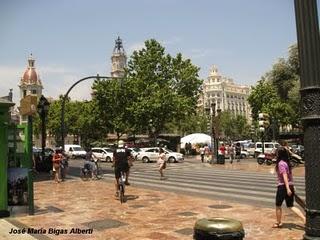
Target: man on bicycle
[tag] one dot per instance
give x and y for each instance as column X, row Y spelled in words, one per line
column 89, row 160
column 121, row 155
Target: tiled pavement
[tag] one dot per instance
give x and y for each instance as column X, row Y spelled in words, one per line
column 146, row 214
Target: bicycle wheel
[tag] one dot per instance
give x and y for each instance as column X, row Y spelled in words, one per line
column 99, row 173
column 121, row 192
column 84, row 175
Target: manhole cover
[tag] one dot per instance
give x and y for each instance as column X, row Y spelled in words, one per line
column 220, row 206
column 186, row 214
column 185, row 231
column 104, row 224
column 137, row 206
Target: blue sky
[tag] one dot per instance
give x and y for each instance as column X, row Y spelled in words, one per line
column 72, row 39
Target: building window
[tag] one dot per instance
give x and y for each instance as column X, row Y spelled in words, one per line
column 24, row 93
column 33, row 91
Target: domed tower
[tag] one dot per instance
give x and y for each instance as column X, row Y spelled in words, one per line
column 118, row 59
column 30, row 83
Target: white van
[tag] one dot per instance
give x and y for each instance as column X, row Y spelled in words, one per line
column 268, row 147
column 74, row 151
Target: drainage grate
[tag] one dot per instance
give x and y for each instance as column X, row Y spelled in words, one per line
column 104, row 224
column 137, row 206
column 187, row 214
column 220, row 206
column 185, row 231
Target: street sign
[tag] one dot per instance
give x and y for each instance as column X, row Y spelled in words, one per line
column 28, row 105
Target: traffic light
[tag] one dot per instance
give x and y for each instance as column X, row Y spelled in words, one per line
column 263, row 121
column 209, row 127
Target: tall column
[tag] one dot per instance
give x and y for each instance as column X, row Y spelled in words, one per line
column 309, row 55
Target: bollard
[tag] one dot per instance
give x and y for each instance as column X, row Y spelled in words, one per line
column 218, row 229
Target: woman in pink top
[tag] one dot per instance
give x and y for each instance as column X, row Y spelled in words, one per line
column 285, row 190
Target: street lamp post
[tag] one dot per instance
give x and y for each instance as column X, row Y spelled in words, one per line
column 213, row 133
column 153, row 131
column 42, row 109
column 217, row 129
column 309, row 55
column 64, row 102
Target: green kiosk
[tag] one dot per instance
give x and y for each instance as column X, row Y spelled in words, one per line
column 16, row 177
column 4, row 125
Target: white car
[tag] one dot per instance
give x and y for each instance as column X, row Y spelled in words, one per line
column 104, row 154
column 134, row 152
column 152, row 154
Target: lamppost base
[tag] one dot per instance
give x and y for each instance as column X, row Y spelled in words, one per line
column 306, row 237
column 4, row 213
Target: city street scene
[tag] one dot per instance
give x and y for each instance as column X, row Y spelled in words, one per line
column 160, row 120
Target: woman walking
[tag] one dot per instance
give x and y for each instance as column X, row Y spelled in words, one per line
column 285, row 190
column 56, row 160
column 162, row 163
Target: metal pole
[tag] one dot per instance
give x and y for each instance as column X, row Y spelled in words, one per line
column 29, row 164
column 309, row 55
column 213, row 133
column 63, row 103
column 43, row 132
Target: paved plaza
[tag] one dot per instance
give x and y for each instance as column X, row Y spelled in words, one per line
column 90, row 207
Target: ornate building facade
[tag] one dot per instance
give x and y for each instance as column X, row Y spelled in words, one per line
column 227, row 95
column 118, row 59
column 30, row 83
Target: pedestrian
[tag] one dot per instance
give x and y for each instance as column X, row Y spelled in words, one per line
column 186, row 147
column 231, row 152
column 56, row 160
column 162, row 163
column 222, row 150
column 207, row 152
column 202, row 153
column 285, row 188
column 238, row 151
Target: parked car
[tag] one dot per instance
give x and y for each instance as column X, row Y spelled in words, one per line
column 268, row 147
column 135, row 152
column 74, row 151
column 244, row 154
column 104, row 154
column 152, row 154
column 250, row 149
column 298, row 149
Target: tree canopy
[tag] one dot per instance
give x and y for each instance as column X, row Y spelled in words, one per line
column 156, row 90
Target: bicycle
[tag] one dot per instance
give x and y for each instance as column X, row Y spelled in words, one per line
column 98, row 174
column 122, row 180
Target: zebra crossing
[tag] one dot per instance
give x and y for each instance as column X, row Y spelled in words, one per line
column 210, row 182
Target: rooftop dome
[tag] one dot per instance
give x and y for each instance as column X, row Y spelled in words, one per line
column 30, row 76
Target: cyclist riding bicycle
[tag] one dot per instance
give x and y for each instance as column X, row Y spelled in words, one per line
column 121, row 156
column 90, row 162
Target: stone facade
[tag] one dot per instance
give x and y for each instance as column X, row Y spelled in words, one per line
column 227, row 95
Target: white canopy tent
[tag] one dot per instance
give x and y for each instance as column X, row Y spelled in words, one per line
column 196, row 138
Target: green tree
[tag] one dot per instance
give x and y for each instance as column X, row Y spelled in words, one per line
column 164, row 88
column 262, row 95
column 233, row 127
column 112, row 101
